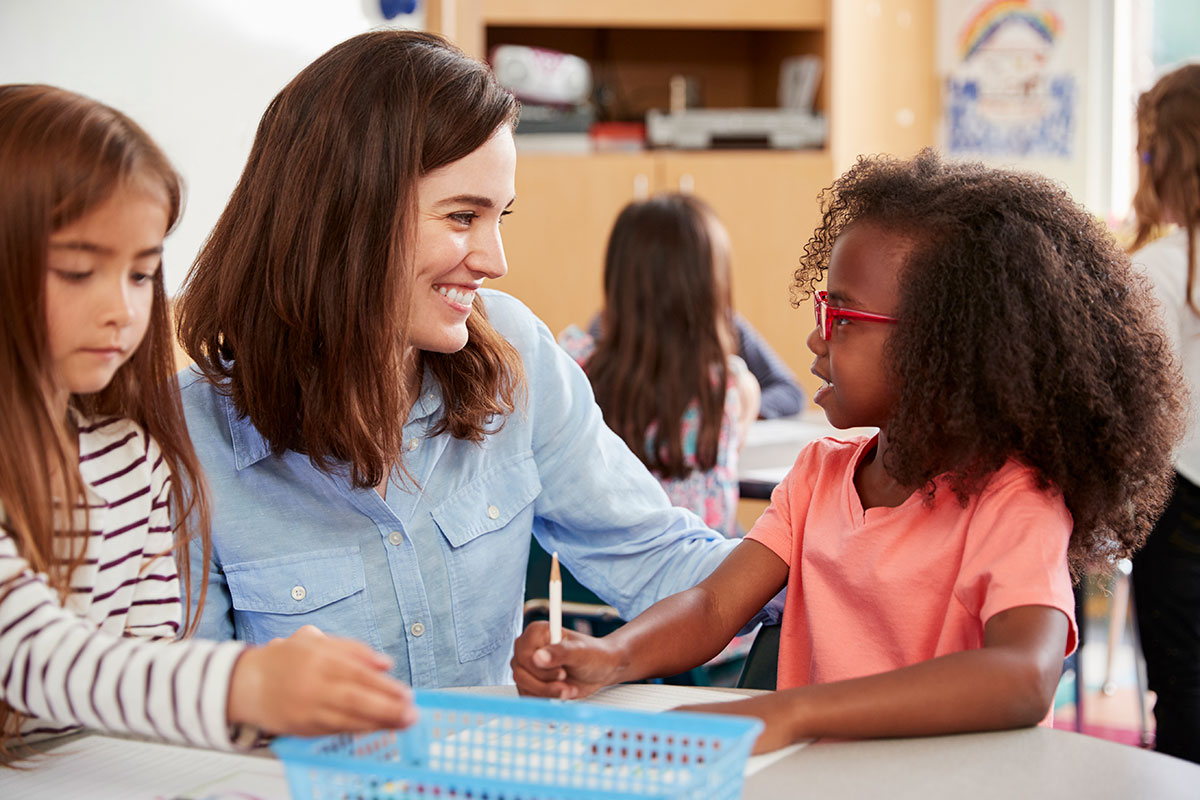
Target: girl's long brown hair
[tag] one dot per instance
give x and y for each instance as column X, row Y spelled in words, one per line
column 62, row 155
column 1168, row 122
column 298, row 304
column 666, row 331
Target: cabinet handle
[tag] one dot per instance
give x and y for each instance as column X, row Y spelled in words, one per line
column 687, row 184
column 641, row 187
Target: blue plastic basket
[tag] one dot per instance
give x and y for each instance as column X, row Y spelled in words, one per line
column 501, row 748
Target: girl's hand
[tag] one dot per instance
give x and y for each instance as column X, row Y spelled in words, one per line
column 310, row 684
column 575, row 667
column 777, row 718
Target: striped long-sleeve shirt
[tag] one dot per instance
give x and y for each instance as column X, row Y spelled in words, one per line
column 104, row 658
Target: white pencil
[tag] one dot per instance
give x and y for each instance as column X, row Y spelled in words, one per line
column 555, row 600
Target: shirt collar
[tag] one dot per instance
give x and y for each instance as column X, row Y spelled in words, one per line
column 429, row 402
column 250, row 446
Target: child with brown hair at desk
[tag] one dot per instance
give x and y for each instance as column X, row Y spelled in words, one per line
column 1166, row 572
column 1027, row 404
column 94, row 453
column 665, row 370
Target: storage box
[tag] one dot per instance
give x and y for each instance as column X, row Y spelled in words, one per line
column 501, row 748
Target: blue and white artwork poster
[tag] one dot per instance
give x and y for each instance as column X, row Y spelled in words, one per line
column 1010, row 91
column 973, row 129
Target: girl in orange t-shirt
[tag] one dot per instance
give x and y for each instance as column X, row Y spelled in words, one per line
column 1027, row 404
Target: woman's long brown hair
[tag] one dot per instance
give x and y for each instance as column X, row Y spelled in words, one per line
column 1168, row 122
column 666, row 331
column 61, row 156
column 298, row 304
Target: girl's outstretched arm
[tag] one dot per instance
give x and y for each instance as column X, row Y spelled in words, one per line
column 1008, row 683
column 674, row 635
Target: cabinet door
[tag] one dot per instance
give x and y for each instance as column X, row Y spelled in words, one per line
column 555, row 240
column 768, row 201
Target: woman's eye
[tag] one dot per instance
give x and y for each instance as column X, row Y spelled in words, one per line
column 141, row 278
column 464, row 217
column 73, row 275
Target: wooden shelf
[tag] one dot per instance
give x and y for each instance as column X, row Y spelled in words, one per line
column 756, row 14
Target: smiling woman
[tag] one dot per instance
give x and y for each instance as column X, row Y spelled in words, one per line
column 458, row 240
column 383, row 435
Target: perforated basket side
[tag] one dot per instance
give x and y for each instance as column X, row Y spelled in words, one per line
column 469, row 745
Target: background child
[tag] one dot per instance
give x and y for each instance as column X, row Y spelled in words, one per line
column 665, row 370
column 94, row 452
column 1026, row 405
column 1166, row 572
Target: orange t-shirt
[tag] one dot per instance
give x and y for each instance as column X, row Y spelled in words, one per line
column 875, row 590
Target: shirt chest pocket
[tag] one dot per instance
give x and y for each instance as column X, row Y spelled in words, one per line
column 486, row 526
column 274, row 597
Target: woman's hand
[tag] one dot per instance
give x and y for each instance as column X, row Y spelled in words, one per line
column 778, row 718
column 310, row 684
column 575, row 667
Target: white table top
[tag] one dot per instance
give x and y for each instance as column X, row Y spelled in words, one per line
column 1026, row 764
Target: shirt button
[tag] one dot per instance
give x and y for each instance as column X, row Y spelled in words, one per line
column 417, row 629
column 396, row 537
column 413, row 444
column 298, row 592
column 493, row 512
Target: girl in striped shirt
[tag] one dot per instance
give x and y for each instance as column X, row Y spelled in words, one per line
column 93, row 455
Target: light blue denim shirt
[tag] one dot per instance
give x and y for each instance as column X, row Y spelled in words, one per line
column 435, row 576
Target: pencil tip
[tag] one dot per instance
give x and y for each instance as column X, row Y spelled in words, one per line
column 554, row 573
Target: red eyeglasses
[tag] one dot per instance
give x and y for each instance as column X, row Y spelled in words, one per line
column 826, row 314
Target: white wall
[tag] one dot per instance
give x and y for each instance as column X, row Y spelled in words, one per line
column 197, row 74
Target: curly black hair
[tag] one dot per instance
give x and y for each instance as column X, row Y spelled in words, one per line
column 1028, row 336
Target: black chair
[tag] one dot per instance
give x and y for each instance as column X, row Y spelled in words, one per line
column 762, row 662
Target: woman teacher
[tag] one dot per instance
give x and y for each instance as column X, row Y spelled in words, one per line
column 380, row 434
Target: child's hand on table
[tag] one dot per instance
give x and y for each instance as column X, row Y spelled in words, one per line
column 575, row 667
column 777, row 718
column 310, row 684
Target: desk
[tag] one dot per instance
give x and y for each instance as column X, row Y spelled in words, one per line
column 1010, row 765
column 772, row 446
column 1026, row 764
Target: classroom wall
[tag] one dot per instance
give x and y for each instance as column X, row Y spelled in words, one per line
column 197, row 74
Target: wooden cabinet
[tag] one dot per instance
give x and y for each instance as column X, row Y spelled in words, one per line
column 556, row 237
column 566, row 205
column 769, row 205
column 877, row 92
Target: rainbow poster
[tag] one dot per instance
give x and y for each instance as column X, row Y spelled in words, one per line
column 1010, row 88
column 990, row 18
